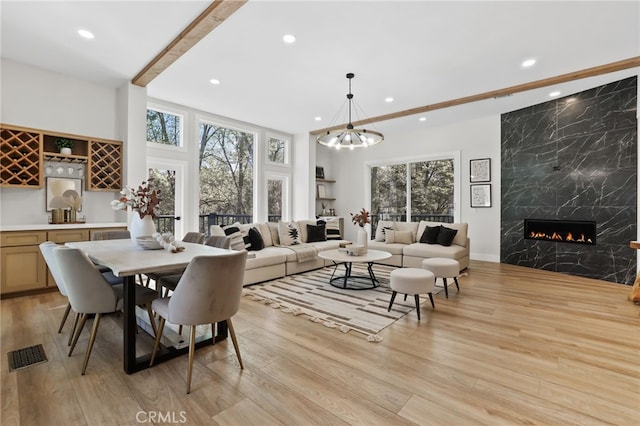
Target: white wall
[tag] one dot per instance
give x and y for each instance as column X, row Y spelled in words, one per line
column 32, row 97
column 472, row 139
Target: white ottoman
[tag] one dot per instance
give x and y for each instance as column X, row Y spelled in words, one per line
column 412, row 281
column 443, row 268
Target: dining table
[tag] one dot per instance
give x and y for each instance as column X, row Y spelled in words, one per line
column 126, row 258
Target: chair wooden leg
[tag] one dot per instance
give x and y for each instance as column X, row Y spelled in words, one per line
column 73, row 330
column 393, row 297
column 78, row 331
column 235, row 342
column 92, row 339
column 433, row 305
column 192, row 350
column 64, row 317
column 417, row 297
column 157, row 343
column 152, row 320
column 446, row 287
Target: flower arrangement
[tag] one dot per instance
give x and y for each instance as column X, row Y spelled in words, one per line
column 361, row 218
column 144, row 200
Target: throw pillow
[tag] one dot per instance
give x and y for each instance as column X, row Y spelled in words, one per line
column 237, row 242
column 383, row 227
column 446, row 235
column 255, row 240
column 316, row 233
column 398, row 237
column 289, row 233
column 216, row 230
column 430, row 235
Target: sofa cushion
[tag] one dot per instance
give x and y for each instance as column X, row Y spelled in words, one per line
column 316, row 233
column 237, row 241
column 332, row 227
column 393, row 248
column 255, row 239
column 446, row 235
column 412, row 227
column 268, row 256
column 326, row 245
column 273, row 230
column 302, row 227
column 289, row 233
column 216, row 231
column 400, row 237
column 435, row 250
column 430, row 235
column 383, row 225
column 460, row 238
column 265, row 233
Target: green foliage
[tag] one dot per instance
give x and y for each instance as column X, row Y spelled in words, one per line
column 64, row 143
column 163, row 128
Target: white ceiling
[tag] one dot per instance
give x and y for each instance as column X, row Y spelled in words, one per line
column 418, row 52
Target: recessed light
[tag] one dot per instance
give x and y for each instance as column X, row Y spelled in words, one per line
column 318, row 118
column 423, row 118
column 214, row 81
column 388, row 99
column 289, row 38
column 554, row 94
column 529, row 63
column 85, row 34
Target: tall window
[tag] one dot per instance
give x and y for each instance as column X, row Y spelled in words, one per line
column 164, row 128
column 418, row 191
column 226, row 173
column 275, row 200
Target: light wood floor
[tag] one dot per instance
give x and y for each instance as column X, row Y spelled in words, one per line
column 514, row 346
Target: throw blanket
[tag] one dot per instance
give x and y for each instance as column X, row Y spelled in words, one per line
column 304, row 252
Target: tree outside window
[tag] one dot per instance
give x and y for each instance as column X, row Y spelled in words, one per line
column 276, row 150
column 164, row 128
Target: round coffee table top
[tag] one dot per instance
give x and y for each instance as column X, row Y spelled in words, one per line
column 339, row 256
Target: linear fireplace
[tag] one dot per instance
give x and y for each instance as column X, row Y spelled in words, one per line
column 567, row 231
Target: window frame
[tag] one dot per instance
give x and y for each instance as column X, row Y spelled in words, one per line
column 287, row 149
column 172, row 111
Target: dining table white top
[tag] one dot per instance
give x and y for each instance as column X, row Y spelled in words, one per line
column 125, row 257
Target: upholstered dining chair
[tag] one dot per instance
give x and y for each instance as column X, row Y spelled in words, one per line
column 46, row 249
column 110, row 235
column 90, row 293
column 209, row 291
column 189, row 237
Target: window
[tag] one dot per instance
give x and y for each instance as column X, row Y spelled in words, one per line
column 418, row 191
column 164, row 128
column 277, row 150
column 275, row 199
column 226, row 173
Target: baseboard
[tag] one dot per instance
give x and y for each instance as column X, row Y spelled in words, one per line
column 485, row 257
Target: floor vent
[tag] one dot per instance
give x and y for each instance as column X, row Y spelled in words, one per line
column 26, row 357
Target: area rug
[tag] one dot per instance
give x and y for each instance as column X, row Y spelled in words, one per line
column 309, row 295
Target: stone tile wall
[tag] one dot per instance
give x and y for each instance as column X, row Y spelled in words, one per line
column 573, row 158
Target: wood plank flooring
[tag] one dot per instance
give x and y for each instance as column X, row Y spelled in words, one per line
column 514, row 346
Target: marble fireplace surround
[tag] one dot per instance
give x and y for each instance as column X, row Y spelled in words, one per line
column 573, row 158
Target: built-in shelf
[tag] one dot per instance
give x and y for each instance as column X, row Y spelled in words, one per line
column 65, row 158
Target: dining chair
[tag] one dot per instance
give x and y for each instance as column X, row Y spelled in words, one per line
column 90, row 293
column 46, row 249
column 111, row 235
column 209, row 291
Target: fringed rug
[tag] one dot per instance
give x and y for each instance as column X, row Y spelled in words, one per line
column 311, row 296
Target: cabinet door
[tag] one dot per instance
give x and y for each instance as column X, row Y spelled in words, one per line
column 23, row 268
column 68, row 235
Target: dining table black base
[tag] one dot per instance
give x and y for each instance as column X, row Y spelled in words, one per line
column 132, row 362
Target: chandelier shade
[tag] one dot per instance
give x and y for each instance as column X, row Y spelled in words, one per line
column 349, row 137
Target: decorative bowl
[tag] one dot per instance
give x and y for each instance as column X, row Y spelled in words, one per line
column 149, row 243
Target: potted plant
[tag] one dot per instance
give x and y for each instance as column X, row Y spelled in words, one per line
column 64, row 145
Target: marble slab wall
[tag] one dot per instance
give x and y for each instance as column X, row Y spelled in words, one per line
column 573, row 158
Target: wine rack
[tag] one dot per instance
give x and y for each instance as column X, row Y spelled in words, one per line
column 105, row 166
column 20, row 158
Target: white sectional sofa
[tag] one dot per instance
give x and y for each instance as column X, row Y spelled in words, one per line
column 409, row 252
column 275, row 260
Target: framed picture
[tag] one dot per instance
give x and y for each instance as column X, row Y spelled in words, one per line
column 319, row 172
column 480, row 170
column 57, row 186
column 481, row 195
column 322, row 191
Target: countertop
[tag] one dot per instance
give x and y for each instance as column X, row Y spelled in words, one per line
column 51, row 226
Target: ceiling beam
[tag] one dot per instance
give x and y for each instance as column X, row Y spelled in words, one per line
column 207, row 21
column 576, row 75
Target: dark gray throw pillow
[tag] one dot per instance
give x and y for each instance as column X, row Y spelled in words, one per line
column 446, row 235
column 316, row 233
column 430, row 235
column 255, row 240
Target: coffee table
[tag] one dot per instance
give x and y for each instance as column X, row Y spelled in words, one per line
column 348, row 280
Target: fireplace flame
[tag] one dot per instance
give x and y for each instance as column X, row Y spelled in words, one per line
column 555, row 236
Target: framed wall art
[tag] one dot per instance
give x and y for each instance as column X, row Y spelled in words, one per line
column 481, row 195
column 56, row 187
column 319, row 172
column 480, row 170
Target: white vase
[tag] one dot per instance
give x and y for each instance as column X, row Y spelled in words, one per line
column 363, row 238
column 141, row 227
column 65, row 151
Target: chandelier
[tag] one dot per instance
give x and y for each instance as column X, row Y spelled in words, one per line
column 349, row 137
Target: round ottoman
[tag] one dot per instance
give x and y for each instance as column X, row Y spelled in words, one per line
column 412, row 281
column 443, row 268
